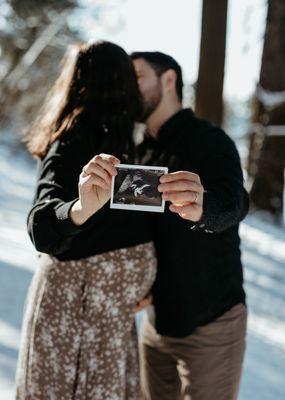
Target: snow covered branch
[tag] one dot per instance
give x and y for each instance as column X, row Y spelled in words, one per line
column 269, row 99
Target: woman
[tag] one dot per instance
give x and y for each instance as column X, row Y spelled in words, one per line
column 78, row 332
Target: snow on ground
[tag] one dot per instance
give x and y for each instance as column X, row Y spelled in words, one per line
column 264, row 260
column 263, row 255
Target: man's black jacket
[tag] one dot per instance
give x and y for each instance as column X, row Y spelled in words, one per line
column 199, row 268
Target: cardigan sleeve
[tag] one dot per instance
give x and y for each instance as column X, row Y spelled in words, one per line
column 226, row 201
column 49, row 224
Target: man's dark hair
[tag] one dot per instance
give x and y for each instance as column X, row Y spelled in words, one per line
column 161, row 62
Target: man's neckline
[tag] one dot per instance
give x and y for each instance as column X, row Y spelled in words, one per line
column 173, row 122
column 169, row 125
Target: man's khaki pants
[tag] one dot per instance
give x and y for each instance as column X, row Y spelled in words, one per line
column 206, row 365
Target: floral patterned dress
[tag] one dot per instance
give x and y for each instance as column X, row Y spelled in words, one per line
column 79, row 340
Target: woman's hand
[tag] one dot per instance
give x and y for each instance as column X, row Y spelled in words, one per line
column 94, row 187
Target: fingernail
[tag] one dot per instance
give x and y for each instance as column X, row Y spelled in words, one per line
column 161, row 179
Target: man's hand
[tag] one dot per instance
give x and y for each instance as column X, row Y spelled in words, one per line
column 145, row 302
column 185, row 192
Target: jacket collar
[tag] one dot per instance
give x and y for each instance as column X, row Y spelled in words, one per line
column 171, row 126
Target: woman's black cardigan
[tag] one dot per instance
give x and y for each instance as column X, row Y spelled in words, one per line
column 49, row 224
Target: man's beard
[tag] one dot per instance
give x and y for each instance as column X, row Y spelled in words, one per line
column 150, row 105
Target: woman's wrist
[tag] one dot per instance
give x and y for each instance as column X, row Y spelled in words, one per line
column 77, row 214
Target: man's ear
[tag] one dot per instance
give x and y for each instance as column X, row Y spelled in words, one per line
column 168, row 80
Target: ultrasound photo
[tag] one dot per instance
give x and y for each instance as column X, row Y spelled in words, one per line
column 135, row 188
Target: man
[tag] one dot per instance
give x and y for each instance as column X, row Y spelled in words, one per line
column 192, row 345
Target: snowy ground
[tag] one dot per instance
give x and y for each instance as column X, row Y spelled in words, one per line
column 264, row 261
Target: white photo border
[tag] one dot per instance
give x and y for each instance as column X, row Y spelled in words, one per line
column 136, row 207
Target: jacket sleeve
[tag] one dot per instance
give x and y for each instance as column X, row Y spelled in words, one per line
column 226, row 201
column 49, row 224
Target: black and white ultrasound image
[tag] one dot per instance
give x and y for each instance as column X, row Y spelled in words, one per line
column 137, row 187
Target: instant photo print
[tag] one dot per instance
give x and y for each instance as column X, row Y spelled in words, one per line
column 135, row 188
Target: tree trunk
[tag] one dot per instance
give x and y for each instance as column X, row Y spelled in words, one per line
column 267, row 151
column 209, row 90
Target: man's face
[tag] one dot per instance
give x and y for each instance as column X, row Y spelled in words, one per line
column 149, row 85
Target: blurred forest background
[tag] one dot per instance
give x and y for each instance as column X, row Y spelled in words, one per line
column 34, row 35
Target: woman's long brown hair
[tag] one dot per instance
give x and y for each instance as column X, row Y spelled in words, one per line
column 96, row 95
